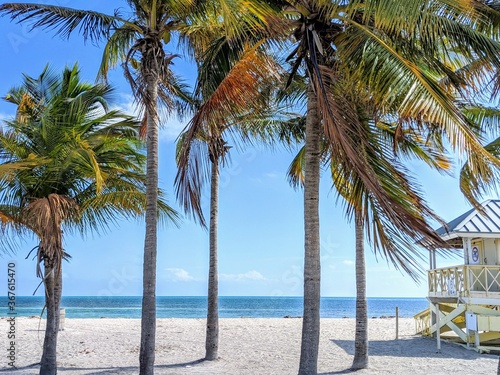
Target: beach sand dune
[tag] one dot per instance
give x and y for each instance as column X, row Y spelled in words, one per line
column 247, row 346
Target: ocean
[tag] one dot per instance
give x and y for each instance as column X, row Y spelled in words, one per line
column 229, row 307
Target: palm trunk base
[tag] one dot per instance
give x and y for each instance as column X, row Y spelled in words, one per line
column 360, row 363
column 48, row 363
column 212, row 340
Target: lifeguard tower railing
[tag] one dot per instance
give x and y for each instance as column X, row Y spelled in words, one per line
column 469, row 283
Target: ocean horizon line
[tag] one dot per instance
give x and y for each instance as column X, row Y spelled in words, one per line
column 229, row 306
column 224, row 296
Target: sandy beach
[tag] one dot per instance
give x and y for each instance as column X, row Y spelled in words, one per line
column 247, row 346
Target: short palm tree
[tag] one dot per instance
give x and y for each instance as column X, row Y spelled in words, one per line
column 86, row 170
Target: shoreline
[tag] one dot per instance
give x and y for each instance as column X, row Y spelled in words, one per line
column 248, row 346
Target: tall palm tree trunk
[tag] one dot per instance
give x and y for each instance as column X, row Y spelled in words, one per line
column 312, row 269
column 48, row 363
column 361, row 337
column 58, row 295
column 148, row 320
column 212, row 339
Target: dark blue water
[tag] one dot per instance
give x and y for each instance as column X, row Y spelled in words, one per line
column 229, row 307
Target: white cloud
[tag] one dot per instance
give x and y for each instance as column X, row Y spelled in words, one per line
column 273, row 175
column 179, row 274
column 250, row 275
column 348, row 262
column 256, row 181
column 170, row 126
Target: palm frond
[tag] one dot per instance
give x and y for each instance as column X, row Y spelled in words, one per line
column 64, row 21
column 73, row 149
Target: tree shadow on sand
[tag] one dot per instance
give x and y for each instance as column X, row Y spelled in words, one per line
column 13, row 370
column 409, row 347
column 412, row 347
column 104, row 370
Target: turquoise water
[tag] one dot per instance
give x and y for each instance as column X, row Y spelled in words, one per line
column 229, row 307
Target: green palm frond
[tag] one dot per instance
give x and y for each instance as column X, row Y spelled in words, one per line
column 411, row 144
column 228, row 98
column 392, row 232
column 296, row 169
column 77, row 150
column 117, row 46
column 486, row 118
column 476, row 182
column 192, row 176
column 101, row 210
column 92, row 25
column 274, row 127
column 429, row 104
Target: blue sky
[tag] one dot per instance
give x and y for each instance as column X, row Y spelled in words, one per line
column 261, row 217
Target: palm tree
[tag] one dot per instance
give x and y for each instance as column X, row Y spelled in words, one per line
column 87, row 171
column 392, row 241
column 377, row 41
column 229, row 87
column 217, row 151
column 334, row 35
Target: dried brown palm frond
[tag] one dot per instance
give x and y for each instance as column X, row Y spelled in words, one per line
column 237, row 93
column 45, row 217
column 353, row 150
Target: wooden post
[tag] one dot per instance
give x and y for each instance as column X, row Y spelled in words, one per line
column 397, row 323
column 438, row 330
column 62, row 319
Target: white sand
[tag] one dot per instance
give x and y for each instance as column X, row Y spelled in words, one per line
column 247, row 346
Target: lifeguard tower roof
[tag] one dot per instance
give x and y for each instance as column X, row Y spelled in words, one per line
column 474, row 223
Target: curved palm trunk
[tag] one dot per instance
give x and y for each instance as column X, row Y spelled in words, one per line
column 53, row 290
column 58, row 295
column 148, row 320
column 212, row 339
column 361, row 338
column 312, row 269
column 48, row 361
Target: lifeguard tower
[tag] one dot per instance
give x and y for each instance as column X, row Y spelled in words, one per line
column 465, row 299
